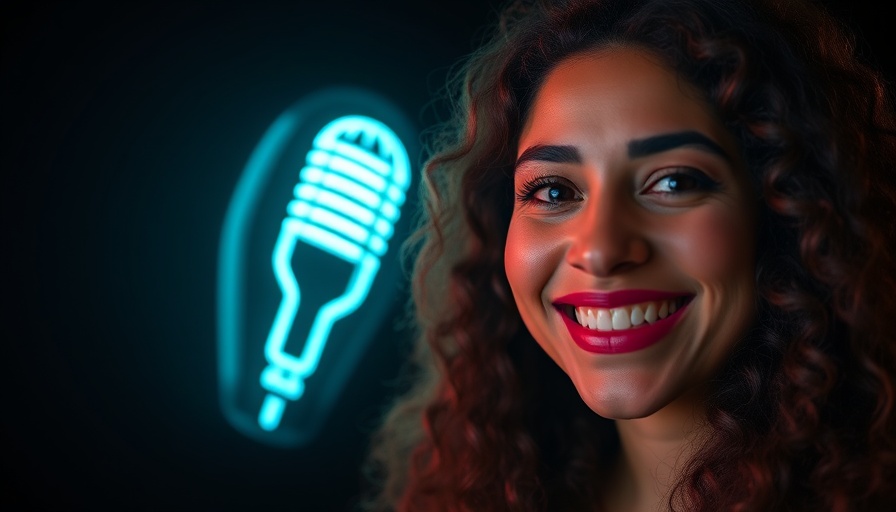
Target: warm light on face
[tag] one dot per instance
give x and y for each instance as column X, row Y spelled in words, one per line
column 630, row 247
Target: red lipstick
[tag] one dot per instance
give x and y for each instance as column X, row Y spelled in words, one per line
column 617, row 298
column 621, row 341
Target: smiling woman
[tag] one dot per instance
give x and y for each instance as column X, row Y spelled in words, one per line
column 635, row 246
column 654, row 270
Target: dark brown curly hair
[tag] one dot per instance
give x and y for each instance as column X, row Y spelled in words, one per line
column 803, row 415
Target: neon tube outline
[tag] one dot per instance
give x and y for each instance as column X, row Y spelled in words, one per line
column 285, row 375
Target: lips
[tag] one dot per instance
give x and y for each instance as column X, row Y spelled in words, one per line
column 615, row 322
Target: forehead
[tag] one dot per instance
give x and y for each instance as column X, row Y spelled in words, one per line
column 615, row 94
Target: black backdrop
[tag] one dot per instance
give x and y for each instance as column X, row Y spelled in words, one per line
column 125, row 127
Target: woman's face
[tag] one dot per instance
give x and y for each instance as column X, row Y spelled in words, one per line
column 630, row 251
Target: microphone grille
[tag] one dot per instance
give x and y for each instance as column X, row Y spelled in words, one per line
column 351, row 188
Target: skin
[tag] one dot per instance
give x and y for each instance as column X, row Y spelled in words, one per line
column 618, row 220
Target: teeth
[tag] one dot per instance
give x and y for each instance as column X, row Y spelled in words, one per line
column 604, row 323
column 626, row 317
column 622, row 319
column 650, row 314
column 637, row 316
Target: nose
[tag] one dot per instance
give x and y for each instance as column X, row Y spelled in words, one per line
column 609, row 238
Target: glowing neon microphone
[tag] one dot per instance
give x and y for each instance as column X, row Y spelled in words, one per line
column 318, row 200
column 346, row 203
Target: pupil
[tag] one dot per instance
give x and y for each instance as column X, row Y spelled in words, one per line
column 554, row 193
column 673, row 183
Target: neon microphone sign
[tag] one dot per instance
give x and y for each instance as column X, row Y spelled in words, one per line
column 303, row 288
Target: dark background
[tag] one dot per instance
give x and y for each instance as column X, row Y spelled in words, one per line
column 125, row 127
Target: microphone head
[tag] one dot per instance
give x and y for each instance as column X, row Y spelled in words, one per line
column 352, row 188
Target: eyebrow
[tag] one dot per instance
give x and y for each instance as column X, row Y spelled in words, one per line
column 659, row 143
column 636, row 148
column 550, row 153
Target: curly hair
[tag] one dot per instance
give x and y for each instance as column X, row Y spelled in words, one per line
column 803, row 415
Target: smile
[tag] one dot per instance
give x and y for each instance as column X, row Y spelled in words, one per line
column 624, row 317
column 604, row 323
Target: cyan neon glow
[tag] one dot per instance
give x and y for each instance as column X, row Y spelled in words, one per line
column 350, row 194
column 232, row 255
column 307, row 242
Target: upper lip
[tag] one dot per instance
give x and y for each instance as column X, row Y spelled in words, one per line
column 616, row 298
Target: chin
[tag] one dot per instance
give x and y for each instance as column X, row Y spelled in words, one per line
column 618, row 401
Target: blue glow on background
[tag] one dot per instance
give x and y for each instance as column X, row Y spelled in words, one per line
column 231, row 255
column 345, row 206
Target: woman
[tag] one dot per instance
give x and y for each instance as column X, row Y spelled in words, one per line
column 655, row 269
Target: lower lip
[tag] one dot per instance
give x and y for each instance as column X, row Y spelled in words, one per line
column 621, row 342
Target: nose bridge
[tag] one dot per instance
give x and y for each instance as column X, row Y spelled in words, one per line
column 609, row 237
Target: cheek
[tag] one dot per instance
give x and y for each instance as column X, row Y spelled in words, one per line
column 527, row 260
column 531, row 259
column 715, row 246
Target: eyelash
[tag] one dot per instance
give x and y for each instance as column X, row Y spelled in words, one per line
column 530, row 189
column 702, row 182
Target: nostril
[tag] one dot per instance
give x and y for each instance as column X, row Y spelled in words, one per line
column 609, row 258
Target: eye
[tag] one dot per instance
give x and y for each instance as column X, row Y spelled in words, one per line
column 548, row 191
column 680, row 180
